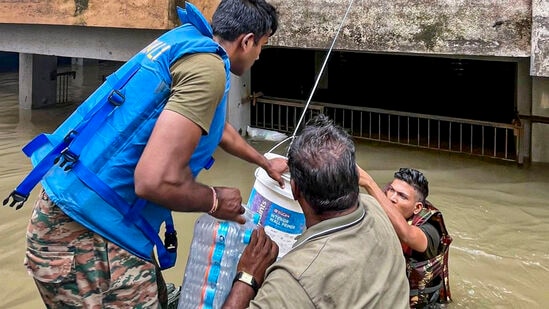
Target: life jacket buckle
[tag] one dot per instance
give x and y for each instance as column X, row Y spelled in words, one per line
column 70, row 136
column 116, row 97
column 67, row 159
column 18, row 199
column 170, row 241
column 209, row 164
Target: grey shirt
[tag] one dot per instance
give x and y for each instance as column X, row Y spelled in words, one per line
column 353, row 261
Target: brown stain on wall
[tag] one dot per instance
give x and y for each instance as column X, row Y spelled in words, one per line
column 140, row 14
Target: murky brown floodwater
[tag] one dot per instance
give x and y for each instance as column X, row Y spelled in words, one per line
column 498, row 213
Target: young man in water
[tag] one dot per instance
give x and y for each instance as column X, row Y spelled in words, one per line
column 422, row 233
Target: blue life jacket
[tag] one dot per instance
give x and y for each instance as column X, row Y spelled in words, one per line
column 86, row 166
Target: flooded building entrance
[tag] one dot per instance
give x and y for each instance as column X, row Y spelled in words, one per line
column 448, row 104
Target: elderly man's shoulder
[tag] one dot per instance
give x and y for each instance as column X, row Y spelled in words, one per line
column 369, row 201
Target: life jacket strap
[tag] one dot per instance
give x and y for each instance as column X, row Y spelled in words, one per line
column 167, row 253
column 429, row 290
column 94, row 120
column 61, row 153
column 20, row 195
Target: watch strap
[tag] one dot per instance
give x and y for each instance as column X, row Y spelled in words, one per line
column 245, row 277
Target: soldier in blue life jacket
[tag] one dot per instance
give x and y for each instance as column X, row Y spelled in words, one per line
column 129, row 155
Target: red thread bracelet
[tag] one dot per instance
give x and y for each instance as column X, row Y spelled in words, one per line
column 214, row 202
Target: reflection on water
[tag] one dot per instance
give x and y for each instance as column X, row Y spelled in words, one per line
column 497, row 213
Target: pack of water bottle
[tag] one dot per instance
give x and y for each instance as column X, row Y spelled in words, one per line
column 213, row 257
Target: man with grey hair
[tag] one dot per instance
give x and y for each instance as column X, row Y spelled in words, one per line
column 349, row 255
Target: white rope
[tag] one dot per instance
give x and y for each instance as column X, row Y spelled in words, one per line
column 316, row 82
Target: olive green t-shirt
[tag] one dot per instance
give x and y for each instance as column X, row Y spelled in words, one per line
column 351, row 261
column 198, row 85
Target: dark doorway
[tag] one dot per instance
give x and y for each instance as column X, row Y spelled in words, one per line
column 461, row 88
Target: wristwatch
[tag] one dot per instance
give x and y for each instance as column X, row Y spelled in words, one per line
column 243, row 276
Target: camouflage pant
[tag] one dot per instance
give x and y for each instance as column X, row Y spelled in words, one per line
column 76, row 268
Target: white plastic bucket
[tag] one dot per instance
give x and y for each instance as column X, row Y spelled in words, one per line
column 281, row 215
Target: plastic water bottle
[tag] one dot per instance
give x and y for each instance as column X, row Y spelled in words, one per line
column 211, row 266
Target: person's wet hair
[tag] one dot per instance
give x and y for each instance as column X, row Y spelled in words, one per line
column 321, row 160
column 415, row 179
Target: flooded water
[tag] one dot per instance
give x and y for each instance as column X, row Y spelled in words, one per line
column 497, row 213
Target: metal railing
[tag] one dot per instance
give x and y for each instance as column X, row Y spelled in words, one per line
column 472, row 137
column 63, row 82
column 279, row 115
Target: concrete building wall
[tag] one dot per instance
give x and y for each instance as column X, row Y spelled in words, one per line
column 37, row 73
column 503, row 28
column 540, row 130
column 508, row 30
column 540, row 38
column 484, row 28
column 497, row 28
column 238, row 113
column 79, row 42
column 540, row 150
column 540, row 100
column 524, row 91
